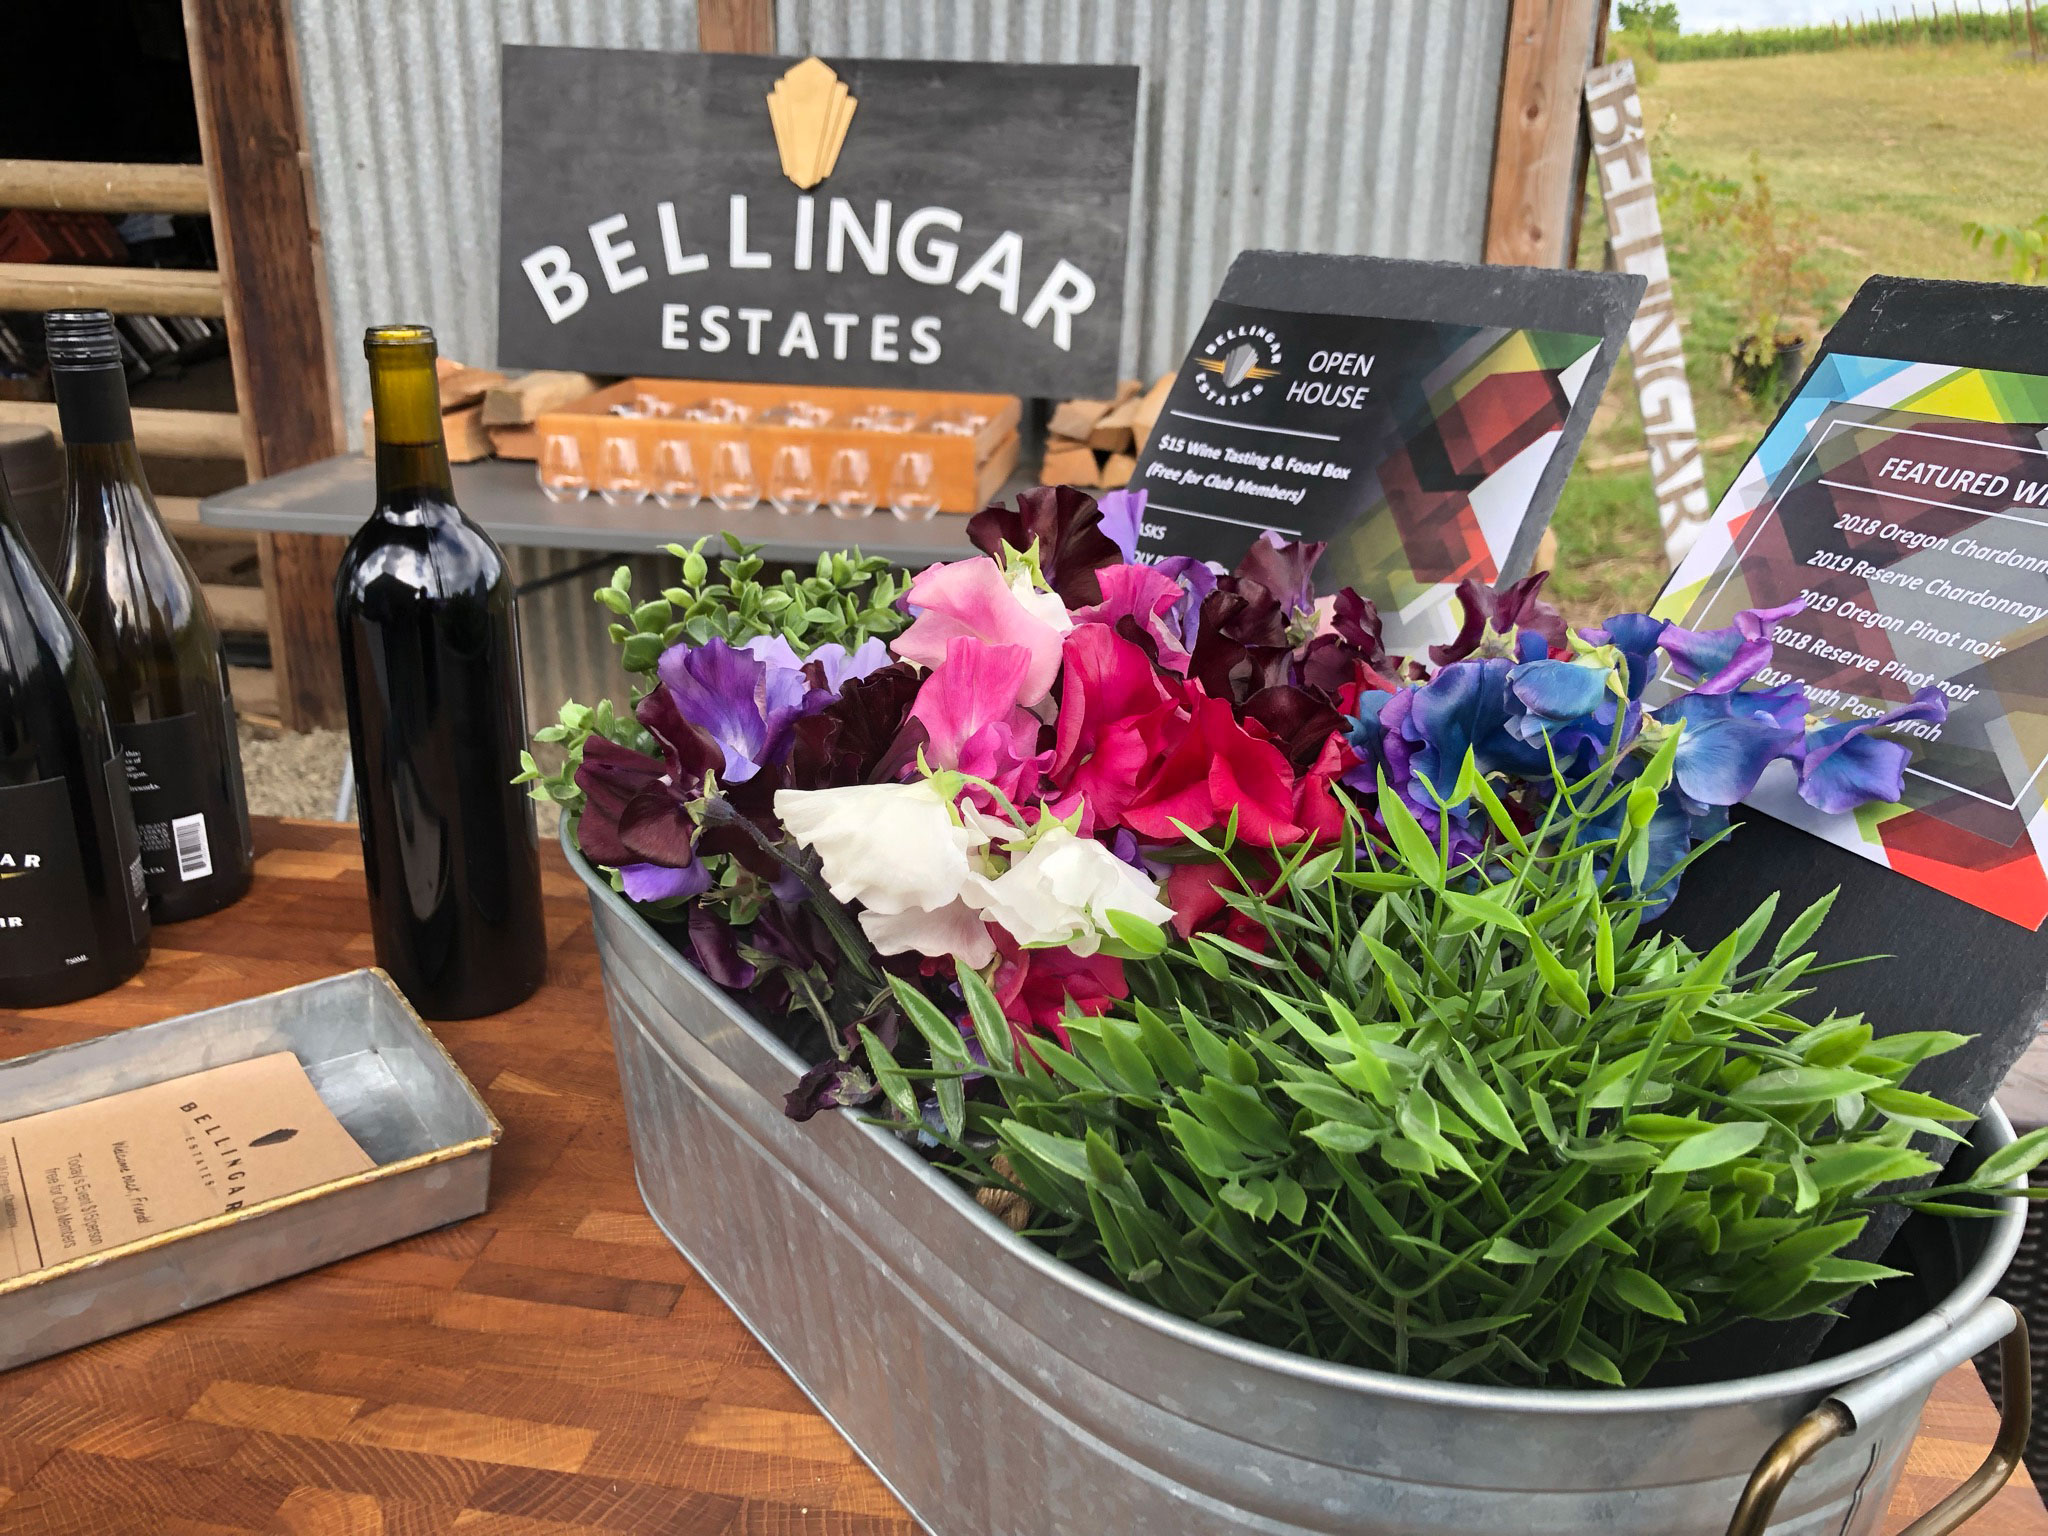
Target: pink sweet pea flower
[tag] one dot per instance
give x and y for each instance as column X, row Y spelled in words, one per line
column 968, row 708
column 975, row 600
column 1148, row 597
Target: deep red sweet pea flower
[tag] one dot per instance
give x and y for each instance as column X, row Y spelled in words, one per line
column 1114, row 722
column 1248, row 773
column 1035, row 986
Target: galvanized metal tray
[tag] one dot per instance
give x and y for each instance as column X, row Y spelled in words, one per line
column 387, row 1079
column 999, row 1392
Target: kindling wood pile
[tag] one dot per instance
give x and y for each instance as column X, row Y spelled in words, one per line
column 1096, row 442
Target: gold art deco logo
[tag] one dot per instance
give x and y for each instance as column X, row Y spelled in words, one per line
column 811, row 109
column 1236, row 364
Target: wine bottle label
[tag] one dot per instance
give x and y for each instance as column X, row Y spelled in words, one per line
column 126, row 846
column 178, row 812
column 45, row 921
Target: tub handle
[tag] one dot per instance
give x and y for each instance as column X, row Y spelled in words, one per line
column 1994, row 1321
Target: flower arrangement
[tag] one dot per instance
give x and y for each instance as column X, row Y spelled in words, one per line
column 1300, row 988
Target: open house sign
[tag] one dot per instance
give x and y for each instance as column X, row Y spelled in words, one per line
column 847, row 221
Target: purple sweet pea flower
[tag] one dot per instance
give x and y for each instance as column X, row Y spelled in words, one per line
column 657, row 882
column 1723, row 660
column 1845, row 766
column 745, row 704
column 839, row 666
column 1122, row 511
column 1558, row 693
column 1198, row 577
column 1730, row 738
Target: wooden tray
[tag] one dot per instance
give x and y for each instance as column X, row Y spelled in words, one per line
column 967, row 471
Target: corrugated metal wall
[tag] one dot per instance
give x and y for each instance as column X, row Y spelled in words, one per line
column 1348, row 126
column 1320, row 125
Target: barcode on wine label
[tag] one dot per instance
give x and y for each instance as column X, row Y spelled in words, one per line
column 195, row 857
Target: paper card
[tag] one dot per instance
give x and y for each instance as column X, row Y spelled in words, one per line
column 81, row 1180
column 1907, row 503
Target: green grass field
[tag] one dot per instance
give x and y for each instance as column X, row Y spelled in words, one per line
column 1874, row 159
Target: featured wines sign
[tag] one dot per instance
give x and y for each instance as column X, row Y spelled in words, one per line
column 894, row 223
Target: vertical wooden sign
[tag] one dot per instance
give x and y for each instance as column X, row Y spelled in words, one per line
column 1615, row 114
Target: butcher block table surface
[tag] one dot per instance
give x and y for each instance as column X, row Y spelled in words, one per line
column 552, row 1367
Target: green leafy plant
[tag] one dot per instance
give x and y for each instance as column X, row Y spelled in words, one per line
column 848, row 600
column 2026, row 244
column 1460, row 1119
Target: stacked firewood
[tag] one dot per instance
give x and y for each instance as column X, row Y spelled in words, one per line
column 484, row 413
column 1096, row 442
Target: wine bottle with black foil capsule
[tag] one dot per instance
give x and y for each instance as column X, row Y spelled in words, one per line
column 74, row 917
column 436, row 716
column 153, row 639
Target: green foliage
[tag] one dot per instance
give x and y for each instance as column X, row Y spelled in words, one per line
column 1870, row 27
column 849, row 600
column 2026, row 244
column 1463, row 1122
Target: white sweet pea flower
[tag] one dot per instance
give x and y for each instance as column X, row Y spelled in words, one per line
column 892, row 847
column 1046, row 607
column 1062, row 891
column 956, row 929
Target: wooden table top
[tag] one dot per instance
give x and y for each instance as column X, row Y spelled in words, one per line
column 552, row 1368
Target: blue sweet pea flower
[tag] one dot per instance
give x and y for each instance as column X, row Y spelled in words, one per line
column 1730, row 738
column 1723, row 660
column 1635, row 635
column 1844, row 766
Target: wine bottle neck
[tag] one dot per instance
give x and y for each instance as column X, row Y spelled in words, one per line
column 405, row 397
column 92, row 406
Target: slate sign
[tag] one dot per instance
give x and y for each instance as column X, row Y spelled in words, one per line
column 968, row 231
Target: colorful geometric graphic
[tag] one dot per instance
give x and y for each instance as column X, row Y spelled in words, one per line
column 1907, row 505
column 1456, row 484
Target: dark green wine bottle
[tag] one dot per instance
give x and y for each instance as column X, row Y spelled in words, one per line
column 152, row 638
column 436, row 716
column 74, row 919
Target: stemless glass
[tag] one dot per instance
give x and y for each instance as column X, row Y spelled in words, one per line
column 560, row 470
column 913, row 492
column 792, row 485
column 620, row 480
column 733, row 485
column 649, row 404
column 846, row 487
column 675, row 474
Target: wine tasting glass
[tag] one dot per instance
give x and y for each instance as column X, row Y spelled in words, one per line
column 792, row 484
column 649, row 404
column 733, row 485
column 913, row 492
column 846, row 487
column 619, row 477
column 675, row 474
column 560, row 470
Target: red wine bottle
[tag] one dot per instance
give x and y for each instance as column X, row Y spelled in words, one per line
column 152, row 636
column 74, row 918
column 436, row 716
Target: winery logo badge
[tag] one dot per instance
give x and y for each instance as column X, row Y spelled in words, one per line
column 1235, row 366
column 811, row 110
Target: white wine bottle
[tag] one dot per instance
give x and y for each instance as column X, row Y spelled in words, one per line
column 74, row 919
column 152, row 637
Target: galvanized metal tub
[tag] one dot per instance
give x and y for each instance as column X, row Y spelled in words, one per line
column 1001, row 1393
column 387, row 1079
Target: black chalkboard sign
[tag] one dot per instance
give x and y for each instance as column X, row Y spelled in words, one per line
column 901, row 224
column 1418, row 417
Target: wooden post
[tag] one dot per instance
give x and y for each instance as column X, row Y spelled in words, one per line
column 265, row 228
column 2033, row 37
column 736, row 26
column 1535, row 159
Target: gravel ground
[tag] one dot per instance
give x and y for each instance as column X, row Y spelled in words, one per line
column 293, row 773
column 299, row 774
